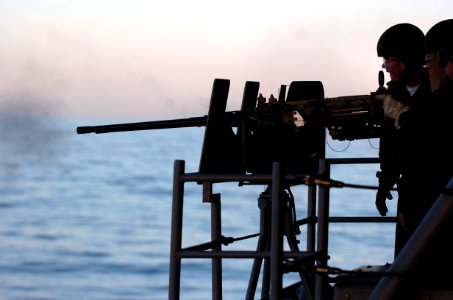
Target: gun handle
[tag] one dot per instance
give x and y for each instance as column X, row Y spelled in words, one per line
column 381, row 79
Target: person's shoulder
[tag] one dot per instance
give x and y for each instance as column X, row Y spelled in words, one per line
column 449, row 87
column 444, row 95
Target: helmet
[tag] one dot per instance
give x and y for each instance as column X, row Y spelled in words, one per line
column 440, row 38
column 403, row 41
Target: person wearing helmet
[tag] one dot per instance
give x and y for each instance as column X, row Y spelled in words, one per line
column 402, row 48
column 426, row 133
column 438, row 115
column 429, row 153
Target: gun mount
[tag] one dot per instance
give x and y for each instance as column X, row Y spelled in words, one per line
column 290, row 130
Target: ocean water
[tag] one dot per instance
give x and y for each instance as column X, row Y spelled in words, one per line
column 88, row 216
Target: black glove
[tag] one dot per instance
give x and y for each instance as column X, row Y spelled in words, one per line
column 381, row 195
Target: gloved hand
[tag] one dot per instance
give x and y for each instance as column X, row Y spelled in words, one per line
column 382, row 195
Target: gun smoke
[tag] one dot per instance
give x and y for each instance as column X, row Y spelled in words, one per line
column 29, row 131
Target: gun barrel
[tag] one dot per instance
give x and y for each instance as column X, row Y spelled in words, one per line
column 165, row 124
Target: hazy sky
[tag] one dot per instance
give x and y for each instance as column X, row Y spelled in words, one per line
column 144, row 60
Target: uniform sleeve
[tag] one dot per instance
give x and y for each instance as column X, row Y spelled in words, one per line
column 389, row 172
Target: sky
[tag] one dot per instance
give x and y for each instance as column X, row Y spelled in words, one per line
column 140, row 60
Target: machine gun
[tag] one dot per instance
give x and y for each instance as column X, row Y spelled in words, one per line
column 346, row 117
column 290, row 130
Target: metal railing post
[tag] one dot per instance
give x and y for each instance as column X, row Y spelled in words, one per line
column 176, row 231
column 276, row 256
column 323, row 230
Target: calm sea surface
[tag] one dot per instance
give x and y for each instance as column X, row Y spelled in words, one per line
column 88, row 216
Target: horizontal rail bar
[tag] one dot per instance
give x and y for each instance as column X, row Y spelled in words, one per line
column 238, row 254
column 362, row 219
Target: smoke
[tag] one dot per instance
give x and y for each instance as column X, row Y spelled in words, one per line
column 30, row 132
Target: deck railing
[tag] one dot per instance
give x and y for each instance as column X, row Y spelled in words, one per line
column 317, row 233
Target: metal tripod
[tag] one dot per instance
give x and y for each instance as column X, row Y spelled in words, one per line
column 290, row 231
